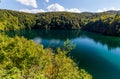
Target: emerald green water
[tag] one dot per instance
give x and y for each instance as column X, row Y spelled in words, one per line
column 98, row 54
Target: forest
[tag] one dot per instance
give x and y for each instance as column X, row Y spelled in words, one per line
column 107, row 23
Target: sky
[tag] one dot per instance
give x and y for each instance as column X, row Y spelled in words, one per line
column 35, row 6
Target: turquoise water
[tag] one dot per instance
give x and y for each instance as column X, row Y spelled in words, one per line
column 98, row 54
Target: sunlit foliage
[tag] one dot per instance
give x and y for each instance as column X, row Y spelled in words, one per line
column 23, row 59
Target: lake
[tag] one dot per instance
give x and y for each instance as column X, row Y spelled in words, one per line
column 98, row 54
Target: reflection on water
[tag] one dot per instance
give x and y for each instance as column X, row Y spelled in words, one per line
column 99, row 55
column 95, row 57
column 52, row 43
column 37, row 40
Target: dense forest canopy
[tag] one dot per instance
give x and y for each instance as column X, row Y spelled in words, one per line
column 24, row 59
column 106, row 22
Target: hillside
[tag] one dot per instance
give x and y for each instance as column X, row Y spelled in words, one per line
column 107, row 23
column 24, row 59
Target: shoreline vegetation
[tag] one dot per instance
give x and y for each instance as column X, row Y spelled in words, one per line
column 106, row 23
column 21, row 58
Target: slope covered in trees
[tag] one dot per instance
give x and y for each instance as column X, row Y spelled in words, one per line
column 24, row 59
column 106, row 22
column 12, row 20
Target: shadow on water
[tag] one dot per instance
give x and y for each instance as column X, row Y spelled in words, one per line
column 111, row 42
column 46, row 34
column 98, row 54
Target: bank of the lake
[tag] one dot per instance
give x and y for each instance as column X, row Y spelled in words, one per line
column 107, row 23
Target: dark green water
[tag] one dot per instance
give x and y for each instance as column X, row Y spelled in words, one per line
column 98, row 54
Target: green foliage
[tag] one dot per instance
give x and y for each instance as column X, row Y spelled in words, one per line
column 12, row 20
column 68, row 46
column 57, row 20
column 105, row 23
column 24, row 59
